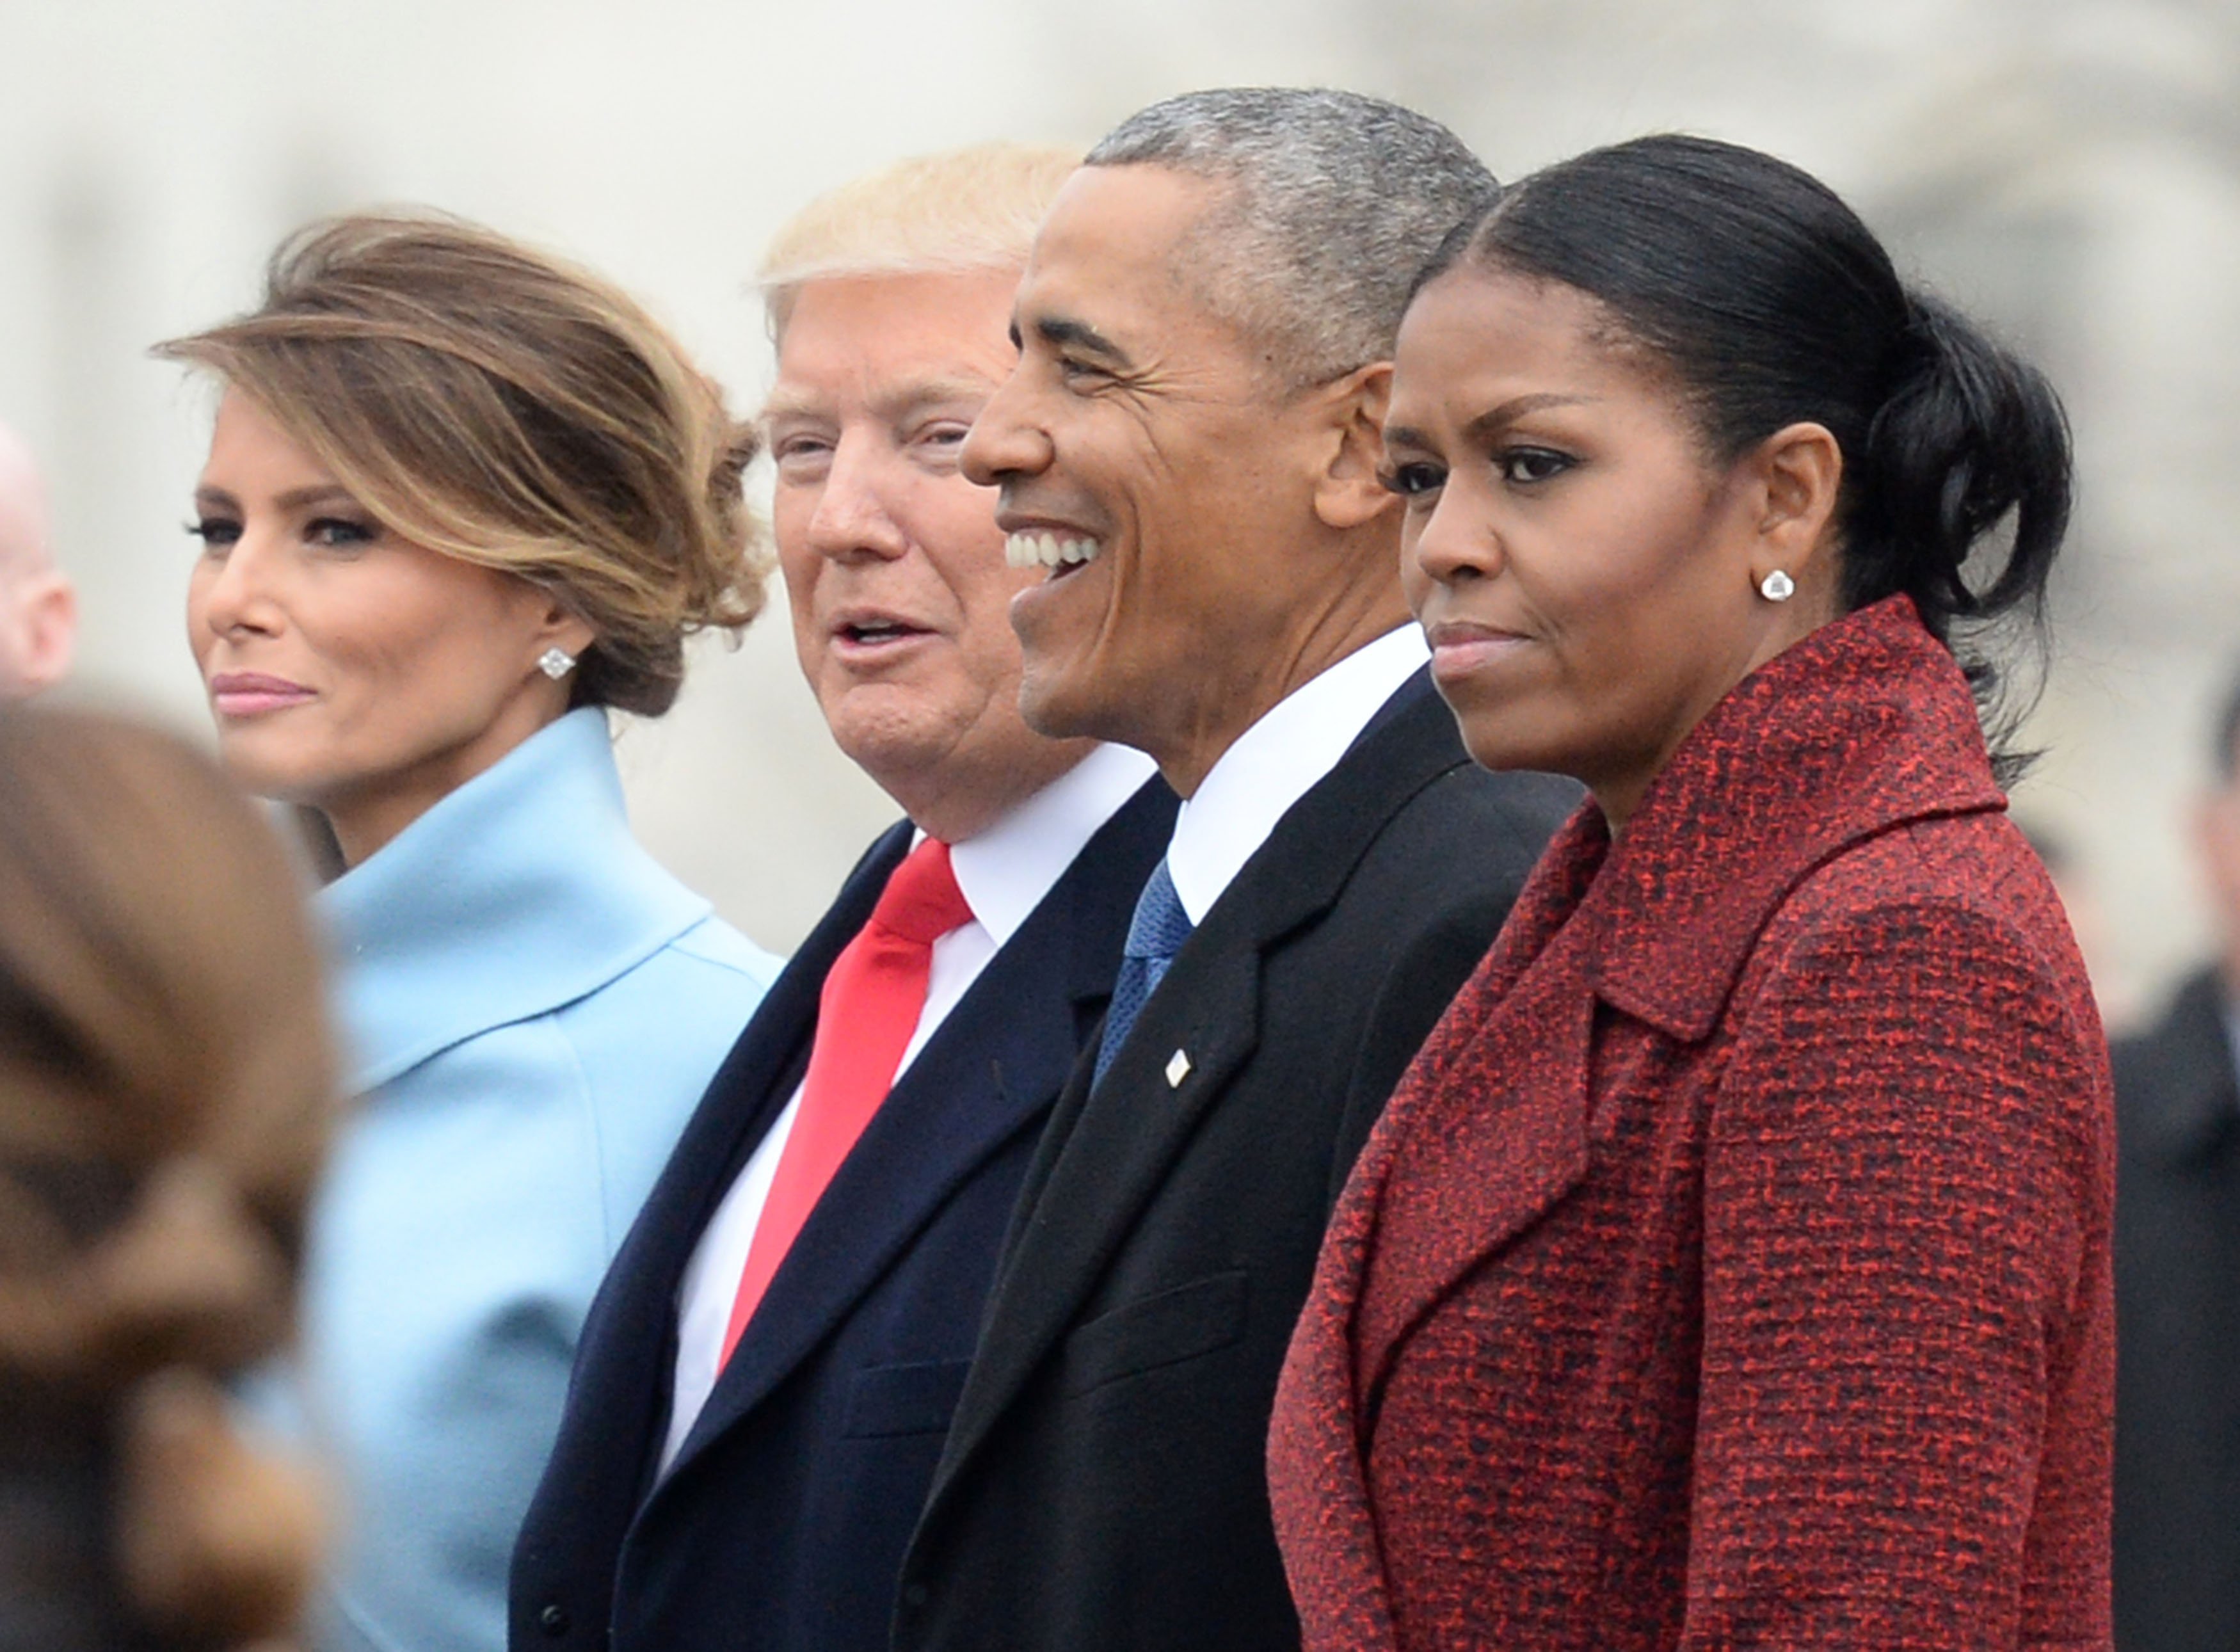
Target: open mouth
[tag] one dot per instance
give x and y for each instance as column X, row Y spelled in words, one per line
column 1062, row 554
column 870, row 633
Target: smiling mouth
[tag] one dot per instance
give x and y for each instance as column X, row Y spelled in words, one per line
column 1062, row 554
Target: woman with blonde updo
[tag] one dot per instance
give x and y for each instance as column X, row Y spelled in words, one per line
column 463, row 502
column 165, row 1093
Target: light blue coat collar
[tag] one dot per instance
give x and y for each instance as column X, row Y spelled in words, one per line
column 518, row 893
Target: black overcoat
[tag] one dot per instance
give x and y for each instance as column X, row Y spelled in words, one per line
column 1104, row 1482
column 2177, row 1331
column 781, row 1524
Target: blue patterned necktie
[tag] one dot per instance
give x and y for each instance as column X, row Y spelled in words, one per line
column 1157, row 932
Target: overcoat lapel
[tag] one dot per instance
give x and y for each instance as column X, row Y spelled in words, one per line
column 987, row 1074
column 1467, row 1168
column 628, row 1345
column 1121, row 1141
column 1657, row 927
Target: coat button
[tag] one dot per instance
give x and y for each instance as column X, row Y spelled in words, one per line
column 553, row 1620
column 915, row 1596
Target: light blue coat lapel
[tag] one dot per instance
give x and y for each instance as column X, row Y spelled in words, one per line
column 519, row 892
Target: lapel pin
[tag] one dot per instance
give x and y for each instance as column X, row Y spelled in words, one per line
column 1177, row 1069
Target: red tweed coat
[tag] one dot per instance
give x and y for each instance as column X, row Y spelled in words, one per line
column 1731, row 1267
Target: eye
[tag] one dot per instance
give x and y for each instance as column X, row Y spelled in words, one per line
column 948, row 436
column 1413, row 479
column 216, row 532
column 1524, row 466
column 801, row 453
column 339, row 533
column 1080, row 375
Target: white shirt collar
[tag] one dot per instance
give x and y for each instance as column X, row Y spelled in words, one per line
column 1274, row 764
column 1006, row 871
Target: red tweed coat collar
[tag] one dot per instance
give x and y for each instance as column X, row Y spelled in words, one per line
column 1873, row 725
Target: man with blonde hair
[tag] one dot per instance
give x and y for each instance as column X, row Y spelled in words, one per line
column 38, row 609
column 763, row 1386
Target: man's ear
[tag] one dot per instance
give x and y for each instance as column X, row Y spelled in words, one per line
column 45, row 622
column 1351, row 437
column 1796, row 477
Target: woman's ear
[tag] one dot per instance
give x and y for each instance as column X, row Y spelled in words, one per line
column 1798, row 476
column 563, row 629
column 1347, row 491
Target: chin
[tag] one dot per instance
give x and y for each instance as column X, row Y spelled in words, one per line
column 1054, row 706
column 263, row 774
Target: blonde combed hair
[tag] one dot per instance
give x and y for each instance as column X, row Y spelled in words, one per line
column 502, row 406
column 962, row 210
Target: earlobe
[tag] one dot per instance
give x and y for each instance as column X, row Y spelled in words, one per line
column 1800, row 471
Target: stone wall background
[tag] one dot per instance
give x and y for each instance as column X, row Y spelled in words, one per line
column 2068, row 168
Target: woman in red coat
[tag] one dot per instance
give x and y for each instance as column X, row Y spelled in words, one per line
column 1731, row 1267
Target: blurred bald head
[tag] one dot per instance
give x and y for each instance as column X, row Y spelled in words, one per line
column 38, row 609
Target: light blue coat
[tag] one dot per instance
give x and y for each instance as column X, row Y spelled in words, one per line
column 532, row 1007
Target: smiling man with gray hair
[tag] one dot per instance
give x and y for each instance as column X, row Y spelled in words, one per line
column 1189, row 448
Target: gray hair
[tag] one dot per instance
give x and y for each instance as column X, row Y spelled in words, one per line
column 1332, row 202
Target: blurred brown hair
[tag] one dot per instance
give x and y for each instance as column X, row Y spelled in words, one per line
column 166, row 1089
column 506, row 407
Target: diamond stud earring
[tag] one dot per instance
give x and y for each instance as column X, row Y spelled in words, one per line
column 1776, row 587
column 556, row 662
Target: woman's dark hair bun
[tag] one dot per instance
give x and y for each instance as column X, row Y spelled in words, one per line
column 1773, row 304
column 1968, row 434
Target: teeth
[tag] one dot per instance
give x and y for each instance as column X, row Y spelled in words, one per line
column 1047, row 550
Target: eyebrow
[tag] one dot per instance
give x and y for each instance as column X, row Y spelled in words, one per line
column 932, row 391
column 294, row 499
column 1517, row 406
column 1062, row 331
column 1407, row 436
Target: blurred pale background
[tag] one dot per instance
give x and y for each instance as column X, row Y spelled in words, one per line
column 2070, row 169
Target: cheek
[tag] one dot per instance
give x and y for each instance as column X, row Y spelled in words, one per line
column 200, row 640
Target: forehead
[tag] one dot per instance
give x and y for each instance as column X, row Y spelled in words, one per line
column 1113, row 249
column 245, row 437
column 1474, row 331
column 884, row 334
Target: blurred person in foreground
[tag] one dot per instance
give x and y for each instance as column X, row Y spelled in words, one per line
column 1731, row 1268
column 463, row 504
column 2177, row 1277
column 166, row 1091
column 38, row 607
column 767, row 1375
column 1187, row 452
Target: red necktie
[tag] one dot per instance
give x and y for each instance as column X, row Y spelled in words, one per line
column 873, row 996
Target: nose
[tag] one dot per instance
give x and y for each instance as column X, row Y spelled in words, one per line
column 1454, row 543
column 236, row 592
column 852, row 518
column 1007, row 440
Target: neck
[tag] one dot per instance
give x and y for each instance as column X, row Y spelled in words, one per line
column 367, row 816
column 956, row 808
column 1229, row 704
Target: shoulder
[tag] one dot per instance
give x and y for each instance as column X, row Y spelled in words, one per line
column 1952, row 887
column 1466, row 838
column 1939, row 945
column 714, row 945
column 686, row 1000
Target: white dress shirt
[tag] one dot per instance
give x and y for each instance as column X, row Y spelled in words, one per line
column 1003, row 873
column 1277, row 761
